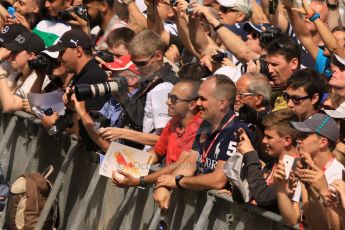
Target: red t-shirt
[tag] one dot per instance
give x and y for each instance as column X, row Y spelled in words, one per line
column 173, row 140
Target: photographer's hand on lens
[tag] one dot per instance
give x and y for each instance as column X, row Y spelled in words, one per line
column 127, row 181
column 167, row 181
column 162, row 197
column 204, row 12
column 227, row 62
column 253, row 66
column 78, row 21
column 244, row 144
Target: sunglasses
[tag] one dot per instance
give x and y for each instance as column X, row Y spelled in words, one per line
column 175, row 99
column 144, row 62
column 295, row 99
column 226, row 10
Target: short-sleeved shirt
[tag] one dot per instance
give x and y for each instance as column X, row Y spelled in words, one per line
column 156, row 109
column 90, row 74
column 173, row 140
column 224, row 146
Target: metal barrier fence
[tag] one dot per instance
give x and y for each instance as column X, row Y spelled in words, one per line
column 89, row 201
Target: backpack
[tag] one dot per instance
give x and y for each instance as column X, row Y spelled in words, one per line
column 28, row 195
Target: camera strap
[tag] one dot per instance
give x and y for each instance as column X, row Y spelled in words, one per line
column 157, row 80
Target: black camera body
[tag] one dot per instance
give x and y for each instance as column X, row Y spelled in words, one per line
column 62, row 123
column 79, row 10
column 268, row 35
column 105, row 55
column 263, row 67
column 218, row 57
column 43, row 62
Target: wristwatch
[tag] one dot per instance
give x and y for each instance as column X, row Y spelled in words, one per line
column 142, row 183
column 332, row 6
column 177, row 180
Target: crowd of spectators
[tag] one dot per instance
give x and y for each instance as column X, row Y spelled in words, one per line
column 256, row 85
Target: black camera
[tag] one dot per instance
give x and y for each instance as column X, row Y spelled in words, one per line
column 105, row 55
column 62, row 123
column 218, row 57
column 79, row 10
column 268, row 35
column 118, row 86
column 263, row 67
column 43, row 62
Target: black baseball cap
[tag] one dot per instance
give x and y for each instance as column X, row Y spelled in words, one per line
column 26, row 41
column 72, row 39
column 11, row 31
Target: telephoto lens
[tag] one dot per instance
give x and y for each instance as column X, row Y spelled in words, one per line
column 118, row 86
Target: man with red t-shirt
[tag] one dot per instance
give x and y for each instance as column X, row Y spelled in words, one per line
column 177, row 136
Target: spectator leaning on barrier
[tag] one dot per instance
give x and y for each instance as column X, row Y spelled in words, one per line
column 177, row 136
column 279, row 140
column 214, row 144
column 304, row 92
column 146, row 112
column 320, row 133
column 22, row 49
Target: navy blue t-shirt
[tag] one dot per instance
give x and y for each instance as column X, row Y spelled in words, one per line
column 224, row 146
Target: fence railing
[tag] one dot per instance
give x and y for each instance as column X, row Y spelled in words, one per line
column 89, row 201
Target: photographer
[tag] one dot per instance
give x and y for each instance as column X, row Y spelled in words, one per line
column 112, row 109
column 24, row 48
column 146, row 112
column 75, row 52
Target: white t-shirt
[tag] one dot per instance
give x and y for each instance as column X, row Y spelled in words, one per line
column 156, row 109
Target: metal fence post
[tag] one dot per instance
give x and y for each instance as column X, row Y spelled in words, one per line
column 86, row 200
column 155, row 219
column 56, row 187
column 205, row 212
column 8, row 133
